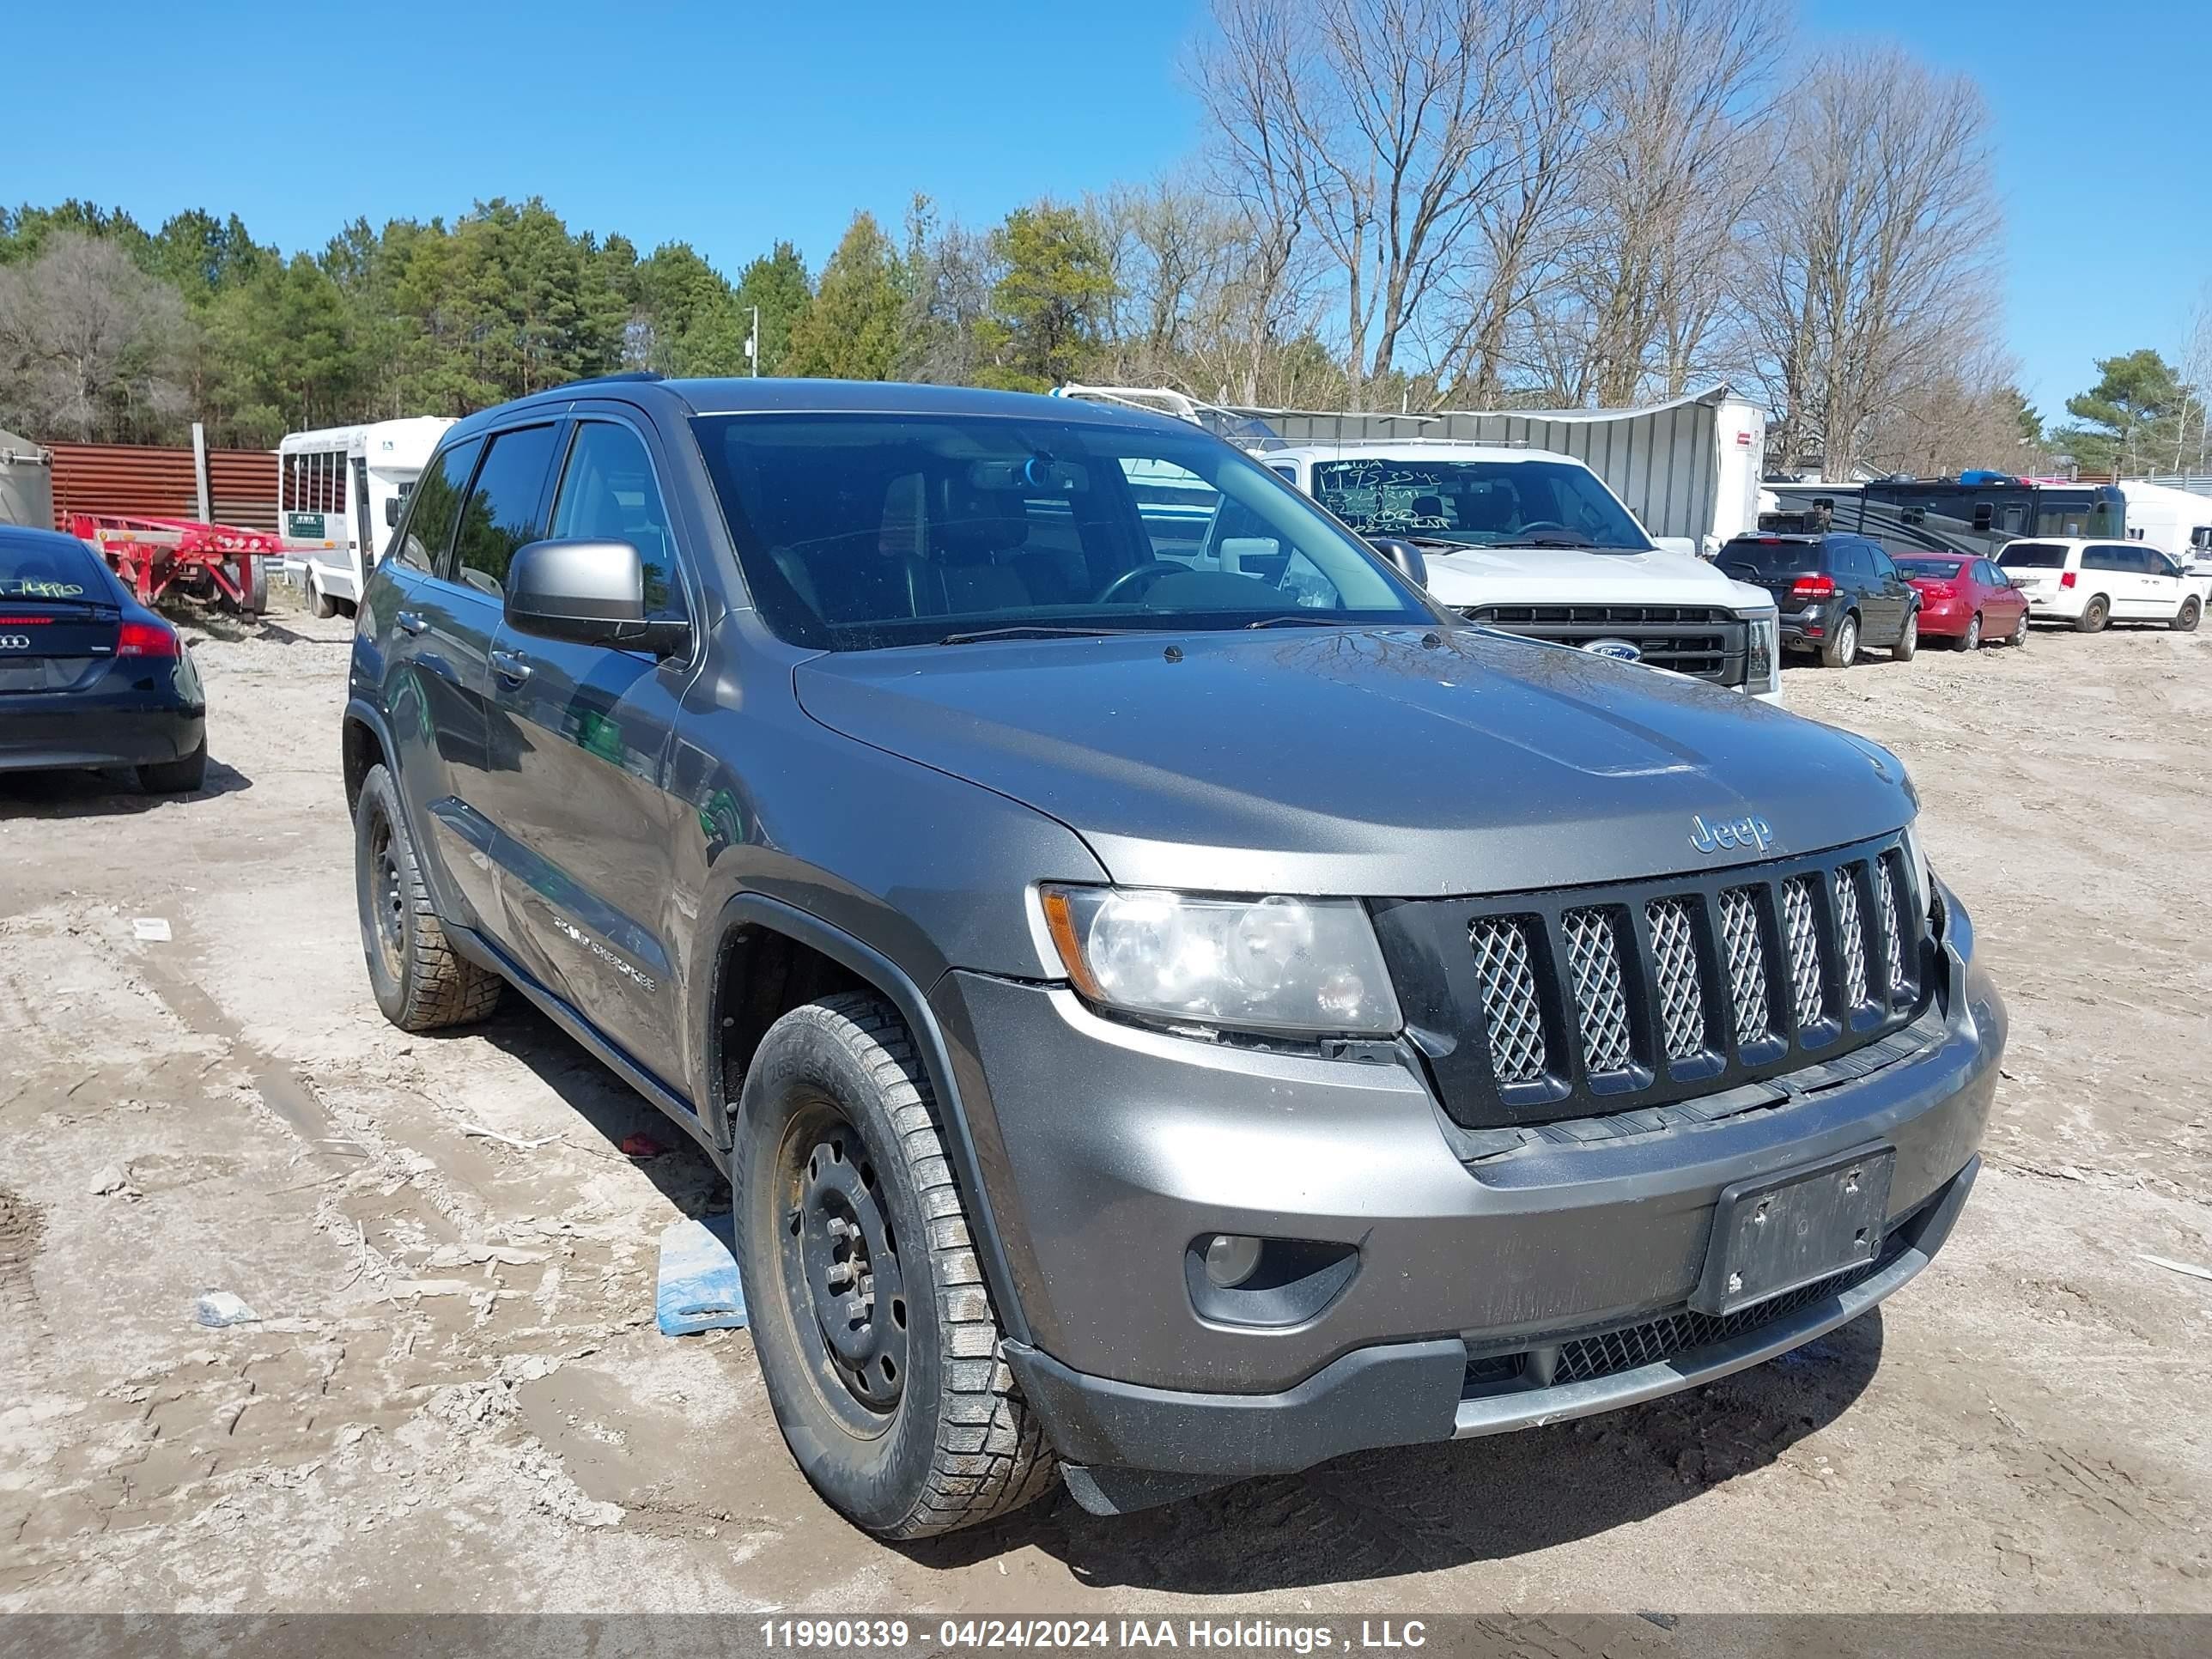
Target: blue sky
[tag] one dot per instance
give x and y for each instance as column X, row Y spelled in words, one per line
column 731, row 125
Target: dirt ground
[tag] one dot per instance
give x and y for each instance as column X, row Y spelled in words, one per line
column 456, row 1398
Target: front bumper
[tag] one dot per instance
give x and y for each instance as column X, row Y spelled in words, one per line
column 1107, row 1150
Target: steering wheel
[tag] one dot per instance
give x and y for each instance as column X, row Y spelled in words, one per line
column 1147, row 573
column 1544, row 524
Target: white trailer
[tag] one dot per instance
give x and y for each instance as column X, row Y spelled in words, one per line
column 1688, row 468
column 2177, row 522
column 339, row 491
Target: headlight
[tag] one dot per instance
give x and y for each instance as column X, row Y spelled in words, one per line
column 1255, row 964
column 1764, row 649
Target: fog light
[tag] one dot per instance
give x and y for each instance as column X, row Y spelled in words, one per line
column 1232, row 1258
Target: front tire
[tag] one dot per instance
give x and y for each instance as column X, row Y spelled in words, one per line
column 2192, row 613
column 2018, row 637
column 878, row 1343
column 323, row 606
column 421, row 983
column 1841, row 648
column 2094, row 614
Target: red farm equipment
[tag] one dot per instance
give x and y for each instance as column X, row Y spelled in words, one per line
column 215, row 561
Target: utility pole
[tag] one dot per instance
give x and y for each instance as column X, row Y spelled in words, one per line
column 752, row 344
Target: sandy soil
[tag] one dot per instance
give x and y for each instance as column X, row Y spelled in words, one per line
column 456, row 1400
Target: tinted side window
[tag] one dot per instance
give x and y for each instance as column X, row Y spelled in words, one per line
column 436, row 501
column 502, row 513
column 1847, row 559
column 1878, row 561
column 2105, row 558
column 608, row 493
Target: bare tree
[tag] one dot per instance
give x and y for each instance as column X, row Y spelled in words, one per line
column 1686, row 85
column 1874, row 249
column 88, row 343
column 1389, row 127
column 2193, row 435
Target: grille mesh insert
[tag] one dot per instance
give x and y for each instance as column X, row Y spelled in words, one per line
column 1747, row 965
column 1799, row 929
column 1892, row 923
column 1510, row 1012
column 1675, row 960
column 1601, row 997
column 1851, row 936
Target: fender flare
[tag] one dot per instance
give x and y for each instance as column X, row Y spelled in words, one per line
column 750, row 909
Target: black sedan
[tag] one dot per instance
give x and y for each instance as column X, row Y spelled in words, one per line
column 88, row 676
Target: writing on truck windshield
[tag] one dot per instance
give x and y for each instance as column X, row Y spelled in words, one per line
column 1477, row 504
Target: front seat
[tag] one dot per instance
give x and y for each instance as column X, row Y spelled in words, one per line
column 966, row 571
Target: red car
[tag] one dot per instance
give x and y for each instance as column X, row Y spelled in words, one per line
column 1965, row 599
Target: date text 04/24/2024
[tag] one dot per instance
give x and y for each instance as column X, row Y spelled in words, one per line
column 1241, row 1635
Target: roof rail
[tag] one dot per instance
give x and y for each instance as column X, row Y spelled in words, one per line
column 628, row 377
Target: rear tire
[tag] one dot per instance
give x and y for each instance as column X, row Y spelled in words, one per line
column 2192, row 613
column 1908, row 641
column 176, row 777
column 1972, row 639
column 2094, row 614
column 321, row 604
column 878, row 1341
column 1841, row 648
column 421, row 983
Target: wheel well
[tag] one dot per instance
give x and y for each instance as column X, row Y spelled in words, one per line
column 760, row 977
column 362, row 751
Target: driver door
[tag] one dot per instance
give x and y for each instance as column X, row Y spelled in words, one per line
column 581, row 738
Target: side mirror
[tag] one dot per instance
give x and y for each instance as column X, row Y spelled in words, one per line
column 392, row 513
column 1686, row 544
column 588, row 593
column 1405, row 556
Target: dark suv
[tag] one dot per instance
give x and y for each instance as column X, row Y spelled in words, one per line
column 1173, row 1004
column 1836, row 593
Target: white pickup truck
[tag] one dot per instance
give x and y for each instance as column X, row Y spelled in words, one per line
column 1533, row 543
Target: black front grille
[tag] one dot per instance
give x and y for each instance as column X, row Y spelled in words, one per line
column 1667, row 1336
column 1580, row 1003
column 1695, row 640
column 1660, row 1339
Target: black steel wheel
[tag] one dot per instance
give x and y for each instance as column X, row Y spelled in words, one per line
column 420, row 982
column 841, row 1266
column 878, row 1341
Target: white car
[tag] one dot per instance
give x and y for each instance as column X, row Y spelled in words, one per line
column 2090, row 583
column 1531, row 542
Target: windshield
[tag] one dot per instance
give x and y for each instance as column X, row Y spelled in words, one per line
column 1478, row 503
column 42, row 567
column 860, row 531
column 1771, row 558
column 1939, row 568
column 2032, row 556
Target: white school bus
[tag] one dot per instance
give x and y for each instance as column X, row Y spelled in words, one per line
column 339, row 492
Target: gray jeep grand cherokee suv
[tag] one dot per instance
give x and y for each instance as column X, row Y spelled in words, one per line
column 1173, row 1004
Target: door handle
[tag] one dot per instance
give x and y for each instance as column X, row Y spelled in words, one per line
column 510, row 666
column 410, row 622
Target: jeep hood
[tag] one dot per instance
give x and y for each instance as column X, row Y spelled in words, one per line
column 1359, row 761
column 1565, row 575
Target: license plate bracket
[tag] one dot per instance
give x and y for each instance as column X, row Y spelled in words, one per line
column 1777, row 1233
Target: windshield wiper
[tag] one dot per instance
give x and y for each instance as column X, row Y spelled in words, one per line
column 1032, row 631
column 1582, row 542
column 1298, row 619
